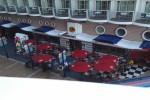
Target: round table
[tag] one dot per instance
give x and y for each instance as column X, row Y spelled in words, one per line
column 43, row 46
column 106, row 63
column 80, row 66
column 41, row 58
column 79, row 53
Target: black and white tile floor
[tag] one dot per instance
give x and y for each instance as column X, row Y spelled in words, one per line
column 133, row 71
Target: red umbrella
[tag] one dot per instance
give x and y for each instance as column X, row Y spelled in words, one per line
column 41, row 58
column 79, row 53
column 106, row 63
column 80, row 66
column 43, row 46
column 30, row 41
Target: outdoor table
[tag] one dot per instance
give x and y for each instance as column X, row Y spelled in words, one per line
column 43, row 46
column 106, row 63
column 80, row 66
column 79, row 53
column 42, row 58
column 30, row 41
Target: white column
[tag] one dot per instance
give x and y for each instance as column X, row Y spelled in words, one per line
column 58, row 4
column 20, row 3
column 30, row 3
column 138, row 9
column 44, row 3
column 113, row 8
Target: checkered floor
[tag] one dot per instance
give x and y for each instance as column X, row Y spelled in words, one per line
column 133, row 71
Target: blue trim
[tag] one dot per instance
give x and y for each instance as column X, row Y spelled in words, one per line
column 145, row 44
column 144, row 85
column 108, row 38
column 44, row 29
column 4, row 22
column 22, row 25
column 129, row 80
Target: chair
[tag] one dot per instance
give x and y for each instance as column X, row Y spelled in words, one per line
column 143, row 17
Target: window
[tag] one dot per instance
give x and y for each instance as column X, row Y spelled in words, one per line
column 102, row 5
column 37, row 3
column 125, row 5
column 100, row 29
column 121, row 32
column 5, row 2
column 65, row 3
column 83, row 4
column 25, row 3
column 147, row 7
column 146, row 35
column 50, row 3
column 15, row 2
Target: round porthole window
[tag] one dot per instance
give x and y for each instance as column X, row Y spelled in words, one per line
column 9, row 18
column 47, row 23
column 5, row 18
column 24, row 20
column 29, row 20
column 52, row 24
column 100, row 29
column 121, row 32
column 19, row 20
column 41, row 22
column 146, row 35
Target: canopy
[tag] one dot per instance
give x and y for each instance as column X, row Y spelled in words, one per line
column 6, row 24
column 44, row 29
column 145, row 44
column 129, row 44
column 25, row 27
column 108, row 38
column 55, row 32
column 86, row 37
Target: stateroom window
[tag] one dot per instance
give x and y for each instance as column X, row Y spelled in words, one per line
column 83, row 4
column 125, row 5
column 102, row 5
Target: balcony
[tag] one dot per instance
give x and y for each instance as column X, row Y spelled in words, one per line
column 11, row 9
column 22, row 10
column 47, row 12
column 79, row 15
column 33, row 11
column 3, row 9
column 143, row 19
column 121, row 17
column 98, row 16
column 63, row 13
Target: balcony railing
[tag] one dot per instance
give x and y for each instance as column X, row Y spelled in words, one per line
column 2, row 8
column 144, row 18
column 64, row 12
column 98, row 15
column 11, row 9
column 122, row 16
column 33, row 11
column 79, row 13
column 22, row 10
column 47, row 11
